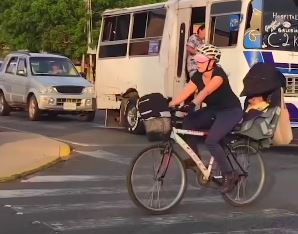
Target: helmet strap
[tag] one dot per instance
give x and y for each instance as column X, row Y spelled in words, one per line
column 207, row 69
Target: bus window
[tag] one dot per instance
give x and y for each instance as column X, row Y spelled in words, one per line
column 225, row 19
column 147, row 32
column 197, row 19
column 252, row 35
column 115, row 36
column 224, row 30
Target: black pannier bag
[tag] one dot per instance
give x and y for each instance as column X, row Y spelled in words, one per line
column 156, row 115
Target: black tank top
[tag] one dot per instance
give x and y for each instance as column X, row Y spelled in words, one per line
column 223, row 97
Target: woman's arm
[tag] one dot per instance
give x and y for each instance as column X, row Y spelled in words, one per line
column 189, row 89
column 213, row 85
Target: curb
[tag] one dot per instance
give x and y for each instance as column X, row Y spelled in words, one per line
column 64, row 154
column 25, row 173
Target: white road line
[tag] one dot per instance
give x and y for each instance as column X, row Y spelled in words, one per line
column 76, row 143
column 107, row 156
column 101, row 145
column 256, row 231
column 81, row 224
column 103, row 205
column 83, row 144
column 23, row 193
column 13, row 129
column 72, row 178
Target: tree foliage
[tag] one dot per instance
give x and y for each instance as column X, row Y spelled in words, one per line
column 57, row 26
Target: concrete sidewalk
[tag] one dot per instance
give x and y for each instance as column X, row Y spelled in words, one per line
column 24, row 153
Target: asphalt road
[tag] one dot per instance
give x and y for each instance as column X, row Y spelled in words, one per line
column 88, row 194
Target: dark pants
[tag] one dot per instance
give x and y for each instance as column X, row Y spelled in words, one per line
column 218, row 123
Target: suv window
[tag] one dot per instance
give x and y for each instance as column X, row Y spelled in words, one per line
column 22, row 67
column 12, row 64
column 52, row 66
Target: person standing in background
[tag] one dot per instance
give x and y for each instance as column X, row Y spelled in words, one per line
column 193, row 42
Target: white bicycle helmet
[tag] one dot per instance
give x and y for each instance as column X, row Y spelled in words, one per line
column 210, row 51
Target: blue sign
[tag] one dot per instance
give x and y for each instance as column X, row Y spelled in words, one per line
column 234, row 23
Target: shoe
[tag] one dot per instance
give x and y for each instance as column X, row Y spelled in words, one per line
column 229, row 182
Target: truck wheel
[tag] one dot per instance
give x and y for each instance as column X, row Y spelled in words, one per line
column 89, row 116
column 33, row 109
column 133, row 123
column 4, row 107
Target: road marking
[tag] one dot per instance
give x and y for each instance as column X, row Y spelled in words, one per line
column 13, row 129
column 101, row 145
column 76, row 225
column 103, row 205
column 80, row 143
column 23, row 193
column 107, row 156
column 72, row 178
column 261, row 231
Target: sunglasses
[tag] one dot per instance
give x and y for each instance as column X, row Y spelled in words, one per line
column 199, row 58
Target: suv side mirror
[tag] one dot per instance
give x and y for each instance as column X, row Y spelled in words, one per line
column 83, row 74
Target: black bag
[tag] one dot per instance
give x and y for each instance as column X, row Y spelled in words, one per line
column 155, row 112
column 153, row 105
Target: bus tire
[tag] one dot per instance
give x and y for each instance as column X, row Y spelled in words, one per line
column 132, row 121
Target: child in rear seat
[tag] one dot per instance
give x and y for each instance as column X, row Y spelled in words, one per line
column 256, row 105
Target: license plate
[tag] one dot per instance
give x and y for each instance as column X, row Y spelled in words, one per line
column 69, row 106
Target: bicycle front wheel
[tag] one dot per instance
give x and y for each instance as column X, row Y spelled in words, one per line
column 157, row 179
column 250, row 185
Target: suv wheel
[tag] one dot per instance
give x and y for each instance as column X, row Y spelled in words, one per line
column 33, row 109
column 4, row 107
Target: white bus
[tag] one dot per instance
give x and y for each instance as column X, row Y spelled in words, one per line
column 142, row 49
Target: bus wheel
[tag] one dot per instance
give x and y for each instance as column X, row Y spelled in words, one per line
column 132, row 120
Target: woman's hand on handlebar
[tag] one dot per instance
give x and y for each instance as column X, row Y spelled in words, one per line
column 189, row 107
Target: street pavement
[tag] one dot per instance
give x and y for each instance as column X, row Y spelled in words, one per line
column 87, row 194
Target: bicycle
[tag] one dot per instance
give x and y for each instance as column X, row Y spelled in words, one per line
column 157, row 177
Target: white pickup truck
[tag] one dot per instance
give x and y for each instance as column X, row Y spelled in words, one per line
column 44, row 83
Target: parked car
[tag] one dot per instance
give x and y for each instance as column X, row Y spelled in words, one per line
column 44, row 83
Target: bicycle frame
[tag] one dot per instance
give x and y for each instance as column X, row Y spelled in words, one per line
column 175, row 136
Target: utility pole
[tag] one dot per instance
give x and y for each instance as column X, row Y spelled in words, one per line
column 90, row 51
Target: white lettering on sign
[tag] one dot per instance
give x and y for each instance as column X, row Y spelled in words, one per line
column 269, row 40
column 281, row 37
column 285, row 17
column 295, row 41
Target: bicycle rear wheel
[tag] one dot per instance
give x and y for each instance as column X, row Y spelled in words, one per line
column 250, row 186
column 157, row 179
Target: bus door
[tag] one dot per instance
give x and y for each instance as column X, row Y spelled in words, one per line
column 189, row 19
column 179, row 72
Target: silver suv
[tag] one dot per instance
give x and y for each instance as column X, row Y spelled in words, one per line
column 44, row 83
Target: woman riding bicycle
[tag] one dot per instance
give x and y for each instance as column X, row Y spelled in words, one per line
column 222, row 113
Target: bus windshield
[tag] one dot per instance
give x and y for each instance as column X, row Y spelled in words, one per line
column 272, row 25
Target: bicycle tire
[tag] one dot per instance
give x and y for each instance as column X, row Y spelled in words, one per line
column 244, row 158
column 155, row 203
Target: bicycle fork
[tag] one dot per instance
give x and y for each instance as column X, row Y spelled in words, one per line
column 164, row 163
